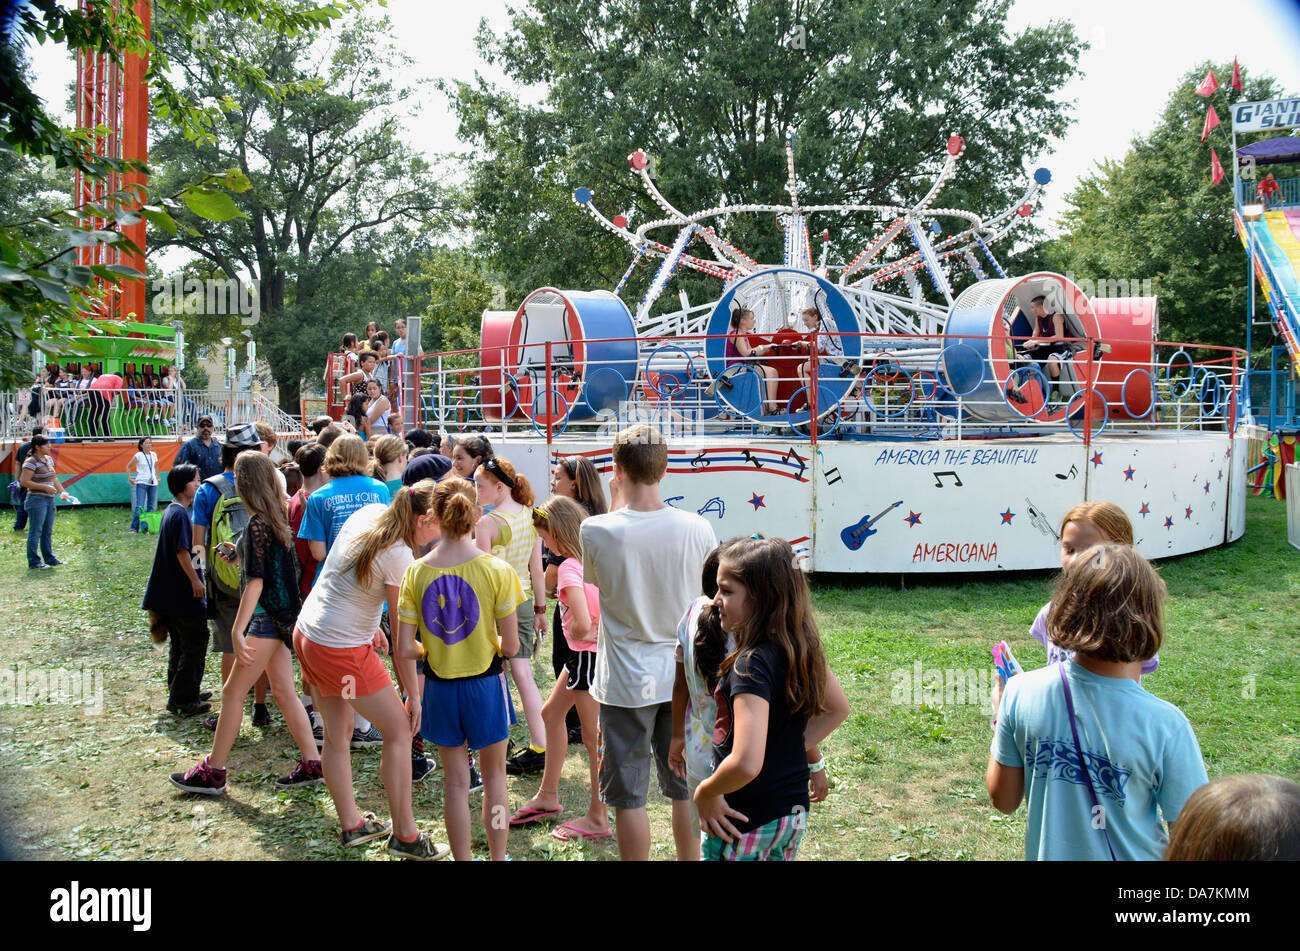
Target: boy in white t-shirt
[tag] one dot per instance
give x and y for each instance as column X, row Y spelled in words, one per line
column 646, row 560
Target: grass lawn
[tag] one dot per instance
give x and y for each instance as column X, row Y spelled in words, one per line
column 907, row 777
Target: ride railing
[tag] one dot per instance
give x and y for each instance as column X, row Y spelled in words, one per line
column 1287, row 195
column 338, row 394
column 887, row 387
column 132, row 413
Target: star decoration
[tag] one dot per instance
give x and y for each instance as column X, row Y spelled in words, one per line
column 1207, row 488
column 1189, row 512
column 1220, row 475
column 756, row 500
column 1007, row 516
column 1169, row 521
column 1128, row 474
column 1145, row 510
column 1096, row 459
column 913, row 518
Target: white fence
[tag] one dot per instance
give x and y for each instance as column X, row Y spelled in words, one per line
column 131, row 413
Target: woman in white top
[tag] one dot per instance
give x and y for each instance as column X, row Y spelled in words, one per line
column 336, row 640
column 143, row 475
column 376, row 420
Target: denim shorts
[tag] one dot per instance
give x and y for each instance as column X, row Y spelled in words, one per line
column 262, row 626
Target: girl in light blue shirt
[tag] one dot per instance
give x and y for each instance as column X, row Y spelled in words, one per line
column 1135, row 761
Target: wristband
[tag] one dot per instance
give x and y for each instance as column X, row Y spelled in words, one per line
column 539, row 607
column 818, row 766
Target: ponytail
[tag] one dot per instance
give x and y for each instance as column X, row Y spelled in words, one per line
column 386, row 450
column 454, row 506
column 710, row 639
column 397, row 524
column 523, row 492
column 710, row 645
column 520, row 489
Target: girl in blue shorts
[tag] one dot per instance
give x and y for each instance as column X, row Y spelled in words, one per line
column 461, row 603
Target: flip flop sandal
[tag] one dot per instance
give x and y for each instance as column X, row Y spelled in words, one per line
column 524, row 816
column 568, row 832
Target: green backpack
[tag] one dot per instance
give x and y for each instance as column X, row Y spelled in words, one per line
column 229, row 519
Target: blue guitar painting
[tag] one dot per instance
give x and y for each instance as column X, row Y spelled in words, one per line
column 855, row 535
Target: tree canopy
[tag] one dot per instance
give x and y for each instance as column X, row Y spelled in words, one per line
column 1154, row 214
column 337, row 197
column 711, row 88
column 44, row 294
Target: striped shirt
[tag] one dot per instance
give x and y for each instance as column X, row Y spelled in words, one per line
column 517, row 550
column 42, row 470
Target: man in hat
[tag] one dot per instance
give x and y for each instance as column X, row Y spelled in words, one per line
column 222, row 608
column 202, row 451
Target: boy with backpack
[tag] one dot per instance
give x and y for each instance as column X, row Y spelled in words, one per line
column 220, row 518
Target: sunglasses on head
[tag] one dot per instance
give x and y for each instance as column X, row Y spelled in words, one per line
column 492, row 466
column 540, row 513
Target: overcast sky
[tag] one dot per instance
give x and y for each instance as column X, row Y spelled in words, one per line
column 1138, row 49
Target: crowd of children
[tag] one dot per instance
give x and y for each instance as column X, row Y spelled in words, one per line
column 368, row 377
column 672, row 652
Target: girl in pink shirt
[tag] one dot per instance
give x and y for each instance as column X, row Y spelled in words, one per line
column 558, row 522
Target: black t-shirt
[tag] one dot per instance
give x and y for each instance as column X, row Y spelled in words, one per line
column 277, row 565
column 168, row 591
column 782, row 784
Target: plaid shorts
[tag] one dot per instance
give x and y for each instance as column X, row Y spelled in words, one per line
column 777, row 841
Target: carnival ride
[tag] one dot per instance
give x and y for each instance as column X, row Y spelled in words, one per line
column 1266, row 216
column 941, row 409
column 884, row 401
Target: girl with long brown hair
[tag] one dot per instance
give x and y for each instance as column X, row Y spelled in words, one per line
column 268, row 609
column 575, row 478
column 336, row 642
column 776, row 700
column 738, row 349
column 559, row 522
column 390, row 453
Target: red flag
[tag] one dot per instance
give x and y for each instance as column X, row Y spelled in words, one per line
column 1211, row 120
column 1216, row 169
column 1208, row 85
column 1236, row 76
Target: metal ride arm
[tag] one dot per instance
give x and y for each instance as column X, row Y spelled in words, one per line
column 869, row 252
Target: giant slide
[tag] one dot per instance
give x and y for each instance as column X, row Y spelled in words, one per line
column 1276, row 240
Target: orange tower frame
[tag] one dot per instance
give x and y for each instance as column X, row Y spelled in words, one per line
column 115, row 97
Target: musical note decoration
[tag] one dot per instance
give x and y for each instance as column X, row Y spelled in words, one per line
column 803, row 463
